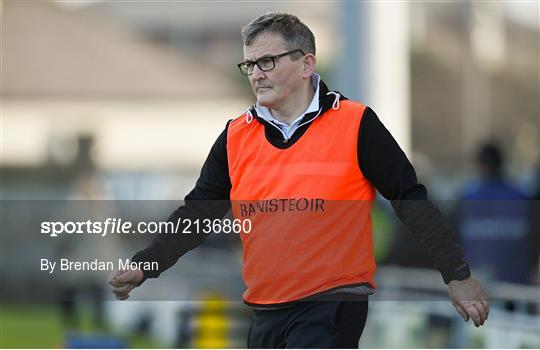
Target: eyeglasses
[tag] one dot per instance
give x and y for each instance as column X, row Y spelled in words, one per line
column 265, row 64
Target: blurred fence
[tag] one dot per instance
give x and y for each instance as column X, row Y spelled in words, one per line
column 410, row 309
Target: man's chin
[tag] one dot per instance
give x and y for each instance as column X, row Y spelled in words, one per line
column 265, row 102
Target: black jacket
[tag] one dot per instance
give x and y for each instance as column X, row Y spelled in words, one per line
column 381, row 161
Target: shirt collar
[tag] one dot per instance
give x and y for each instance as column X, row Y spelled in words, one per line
column 265, row 113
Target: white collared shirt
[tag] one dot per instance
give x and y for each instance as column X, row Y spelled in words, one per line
column 288, row 130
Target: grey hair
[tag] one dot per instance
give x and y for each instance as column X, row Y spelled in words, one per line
column 295, row 33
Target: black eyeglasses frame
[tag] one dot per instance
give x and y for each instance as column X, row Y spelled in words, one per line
column 244, row 64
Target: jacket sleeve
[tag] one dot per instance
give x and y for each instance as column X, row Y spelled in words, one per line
column 208, row 199
column 386, row 166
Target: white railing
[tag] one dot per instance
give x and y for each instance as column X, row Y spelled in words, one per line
column 411, row 309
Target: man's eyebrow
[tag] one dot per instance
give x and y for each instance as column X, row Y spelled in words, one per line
column 264, row 56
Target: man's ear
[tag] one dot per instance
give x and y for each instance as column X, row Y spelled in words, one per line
column 309, row 64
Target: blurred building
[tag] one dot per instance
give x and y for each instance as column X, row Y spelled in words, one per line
column 81, row 91
column 88, row 70
column 474, row 75
column 194, row 28
column 474, row 67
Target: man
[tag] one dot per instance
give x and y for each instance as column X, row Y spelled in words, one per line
column 506, row 252
column 308, row 267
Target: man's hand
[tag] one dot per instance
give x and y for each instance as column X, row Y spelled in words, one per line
column 123, row 281
column 470, row 300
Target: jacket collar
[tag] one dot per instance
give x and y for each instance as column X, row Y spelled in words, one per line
column 326, row 101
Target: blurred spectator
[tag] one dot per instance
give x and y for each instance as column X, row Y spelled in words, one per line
column 494, row 221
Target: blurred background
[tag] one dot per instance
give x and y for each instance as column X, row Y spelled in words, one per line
column 121, row 101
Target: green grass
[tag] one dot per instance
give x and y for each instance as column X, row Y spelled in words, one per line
column 40, row 326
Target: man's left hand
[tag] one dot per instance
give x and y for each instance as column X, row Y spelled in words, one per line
column 470, row 300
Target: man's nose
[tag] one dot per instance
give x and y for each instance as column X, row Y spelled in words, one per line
column 257, row 73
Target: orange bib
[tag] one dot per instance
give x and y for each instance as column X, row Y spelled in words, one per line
column 309, row 206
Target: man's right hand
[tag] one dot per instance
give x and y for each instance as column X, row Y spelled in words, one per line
column 123, row 281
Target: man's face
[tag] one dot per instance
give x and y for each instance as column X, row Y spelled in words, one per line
column 274, row 87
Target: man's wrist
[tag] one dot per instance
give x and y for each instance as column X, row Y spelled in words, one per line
column 460, row 273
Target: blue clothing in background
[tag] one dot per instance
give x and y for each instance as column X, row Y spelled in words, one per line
column 494, row 226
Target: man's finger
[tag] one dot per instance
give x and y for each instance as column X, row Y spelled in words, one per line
column 461, row 311
column 481, row 311
column 130, row 276
column 123, row 290
column 122, row 296
column 113, row 275
column 473, row 313
column 115, row 283
column 485, row 304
